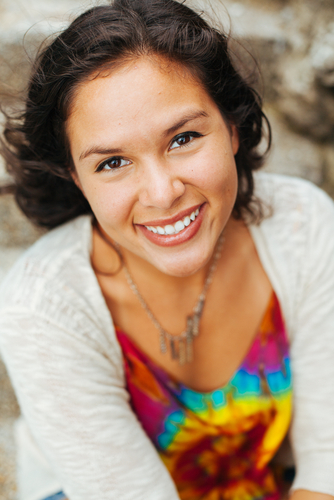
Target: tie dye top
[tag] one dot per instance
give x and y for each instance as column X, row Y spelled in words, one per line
column 218, row 445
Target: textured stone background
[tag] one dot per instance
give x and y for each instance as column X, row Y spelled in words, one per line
column 294, row 42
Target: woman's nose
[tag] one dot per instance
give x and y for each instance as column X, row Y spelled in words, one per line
column 160, row 187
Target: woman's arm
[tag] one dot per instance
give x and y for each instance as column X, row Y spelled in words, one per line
column 76, row 406
column 312, row 354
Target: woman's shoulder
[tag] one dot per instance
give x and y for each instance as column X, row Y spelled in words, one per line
column 298, row 219
column 293, row 205
column 59, row 260
column 52, row 297
column 52, row 293
column 289, row 193
column 57, row 245
column 295, row 240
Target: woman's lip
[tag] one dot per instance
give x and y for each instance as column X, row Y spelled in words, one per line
column 170, row 220
column 175, row 239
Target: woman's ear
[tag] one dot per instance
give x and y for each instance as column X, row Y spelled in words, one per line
column 76, row 180
column 234, row 139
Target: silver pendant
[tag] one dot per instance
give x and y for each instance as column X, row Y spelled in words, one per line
column 163, row 345
column 189, row 347
column 182, row 352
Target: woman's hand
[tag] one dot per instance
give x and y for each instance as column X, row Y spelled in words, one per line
column 309, row 495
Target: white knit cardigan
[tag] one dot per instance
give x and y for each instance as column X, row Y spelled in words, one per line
column 78, row 433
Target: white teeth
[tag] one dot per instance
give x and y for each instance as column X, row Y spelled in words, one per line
column 169, row 229
column 177, row 227
column 186, row 221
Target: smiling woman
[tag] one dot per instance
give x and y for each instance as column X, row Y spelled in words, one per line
column 169, row 164
column 157, row 336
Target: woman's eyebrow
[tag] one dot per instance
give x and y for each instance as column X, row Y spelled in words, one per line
column 187, row 118
column 107, row 151
column 97, row 150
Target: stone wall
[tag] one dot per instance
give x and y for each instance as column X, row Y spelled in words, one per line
column 294, row 43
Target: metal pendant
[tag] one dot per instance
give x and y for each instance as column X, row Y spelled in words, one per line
column 163, row 345
column 189, row 347
column 182, row 351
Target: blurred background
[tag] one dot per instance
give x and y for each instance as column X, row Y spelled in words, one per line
column 293, row 41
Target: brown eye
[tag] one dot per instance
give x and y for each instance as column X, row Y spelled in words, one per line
column 184, row 139
column 113, row 164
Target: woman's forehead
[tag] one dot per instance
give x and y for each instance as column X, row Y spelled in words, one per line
column 139, row 97
column 127, row 77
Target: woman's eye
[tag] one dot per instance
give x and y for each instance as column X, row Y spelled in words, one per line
column 184, row 139
column 113, row 164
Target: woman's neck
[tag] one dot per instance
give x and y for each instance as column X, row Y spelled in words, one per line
column 144, row 271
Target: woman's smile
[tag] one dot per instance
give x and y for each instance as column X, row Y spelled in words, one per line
column 170, row 233
column 155, row 159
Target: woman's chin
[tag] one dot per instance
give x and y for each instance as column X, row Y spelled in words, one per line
column 182, row 267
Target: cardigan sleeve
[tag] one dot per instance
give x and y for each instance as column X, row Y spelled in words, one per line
column 77, row 409
column 312, row 351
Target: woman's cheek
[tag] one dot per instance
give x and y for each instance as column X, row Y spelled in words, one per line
column 218, row 174
column 112, row 206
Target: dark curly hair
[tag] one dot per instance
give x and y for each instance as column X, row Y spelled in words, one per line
column 35, row 146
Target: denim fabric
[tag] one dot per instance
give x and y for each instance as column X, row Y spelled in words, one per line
column 56, row 496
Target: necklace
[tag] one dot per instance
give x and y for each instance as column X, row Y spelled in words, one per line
column 180, row 346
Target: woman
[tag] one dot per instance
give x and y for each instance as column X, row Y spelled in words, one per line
column 149, row 336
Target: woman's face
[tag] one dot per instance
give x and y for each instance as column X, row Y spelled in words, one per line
column 153, row 155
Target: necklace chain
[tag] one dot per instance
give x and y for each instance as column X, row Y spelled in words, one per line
column 180, row 346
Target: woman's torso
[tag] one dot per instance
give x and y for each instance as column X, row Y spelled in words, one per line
column 235, row 304
column 234, row 316
column 218, row 444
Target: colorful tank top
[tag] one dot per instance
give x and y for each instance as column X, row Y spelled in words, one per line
column 218, row 445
